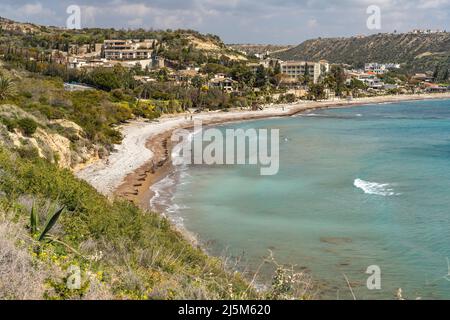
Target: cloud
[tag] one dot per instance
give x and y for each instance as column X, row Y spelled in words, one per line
column 32, row 9
column 313, row 23
column 262, row 21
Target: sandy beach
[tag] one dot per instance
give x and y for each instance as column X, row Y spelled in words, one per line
column 143, row 157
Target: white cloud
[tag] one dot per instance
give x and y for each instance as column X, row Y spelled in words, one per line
column 313, row 23
column 433, row 4
column 32, row 9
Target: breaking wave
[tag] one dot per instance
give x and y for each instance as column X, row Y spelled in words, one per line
column 381, row 189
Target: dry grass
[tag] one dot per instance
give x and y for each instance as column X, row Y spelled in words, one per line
column 23, row 277
column 20, row 277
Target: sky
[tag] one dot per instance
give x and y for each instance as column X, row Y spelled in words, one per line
column 242, row 21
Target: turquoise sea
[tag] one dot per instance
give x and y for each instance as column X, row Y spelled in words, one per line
column 362, row 186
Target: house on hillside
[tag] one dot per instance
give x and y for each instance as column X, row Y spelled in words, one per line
column 222, row 82
column 380, row 68
column 266, row 63
column 370, row 79
column 423, row 77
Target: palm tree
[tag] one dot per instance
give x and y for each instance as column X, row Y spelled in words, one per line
column 142, row 92
column 7, row 88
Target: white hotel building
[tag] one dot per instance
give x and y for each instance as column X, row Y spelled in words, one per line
column 296, row 69
column 128, row 49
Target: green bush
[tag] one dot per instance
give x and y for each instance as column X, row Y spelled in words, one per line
column 27, row 152
column 10, row 124
column 27, row 95
column 27, row 125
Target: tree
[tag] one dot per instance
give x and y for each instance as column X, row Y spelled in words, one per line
column 279, row 79
column 356, row 85
column 261, row 76
column 163, row 75
column 7, row 88
column 277, row 68
column 306, row 77
column 436, row 72
column 316, row 91
column 243, row 75
column 197, row 82
column 142, row 92
column 445, row 75
column 338, row 75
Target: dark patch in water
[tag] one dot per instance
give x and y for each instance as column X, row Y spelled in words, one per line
column 344, row 264
column 335, row 240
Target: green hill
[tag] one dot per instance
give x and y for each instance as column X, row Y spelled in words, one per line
column 418, row 52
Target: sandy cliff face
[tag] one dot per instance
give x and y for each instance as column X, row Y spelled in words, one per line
column 51, row 146
column 59, row 145
column 59, row 141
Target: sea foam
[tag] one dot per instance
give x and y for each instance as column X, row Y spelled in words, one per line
column 381, row 189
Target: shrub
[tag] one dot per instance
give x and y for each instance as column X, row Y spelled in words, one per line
column 10, row 124
column 7, row 88
column 27, row 95
column 27, row 125
column 28, row 152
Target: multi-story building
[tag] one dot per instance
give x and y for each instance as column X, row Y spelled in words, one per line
column 296, row 69
column 266, row 63
column 128, row 49
column 380, row 68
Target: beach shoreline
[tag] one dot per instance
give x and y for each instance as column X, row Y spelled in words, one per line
column 144, row 156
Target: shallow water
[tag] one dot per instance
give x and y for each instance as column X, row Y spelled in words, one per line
column 361, row 186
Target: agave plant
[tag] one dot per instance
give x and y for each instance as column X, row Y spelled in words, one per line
column 44, row 234
column 7, row 88
column 34, row 223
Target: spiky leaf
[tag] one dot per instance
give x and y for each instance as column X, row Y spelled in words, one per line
column 50, row 223
column 7, row 88
column 34, row 220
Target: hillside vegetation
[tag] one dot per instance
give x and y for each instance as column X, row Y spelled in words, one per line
column 183, row 47
column 252, row 49
column 123, row 252
column 419, row 52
